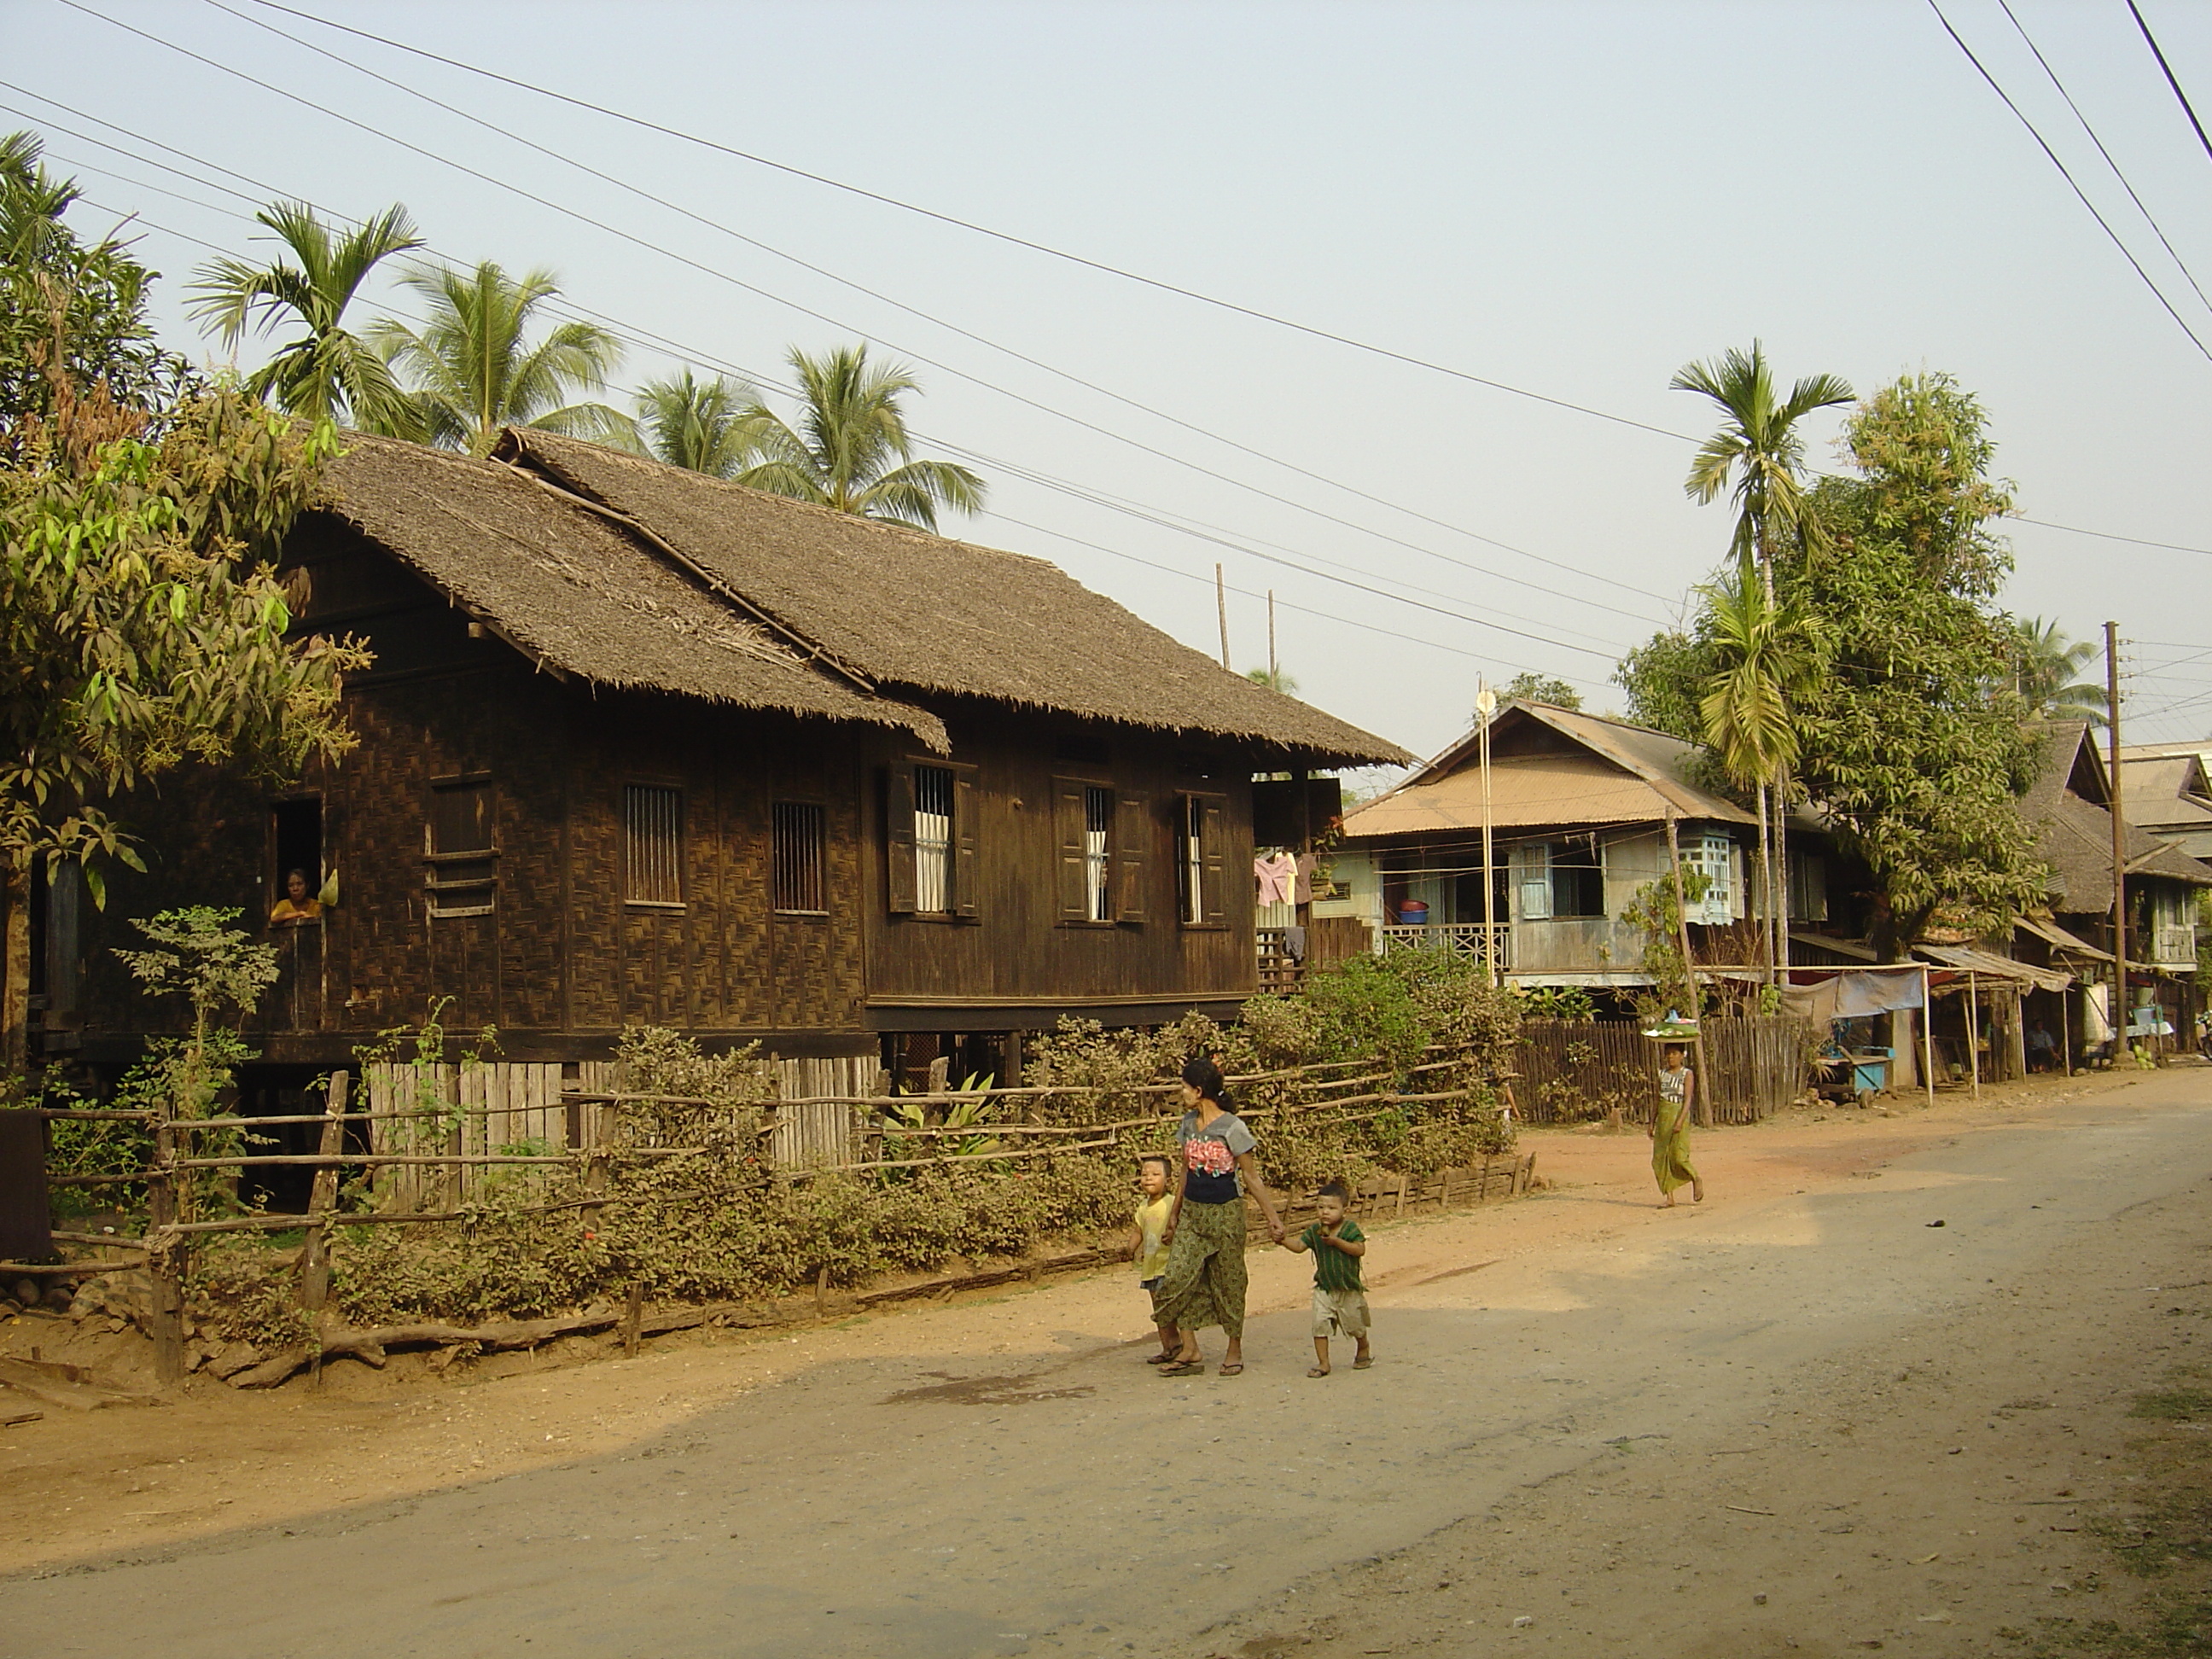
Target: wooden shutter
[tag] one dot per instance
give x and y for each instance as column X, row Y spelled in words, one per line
column 1532, row 876
column 898, row 838
column 1067, row 822
column 1133, row 854
column 1214, row 847
column 967, row 866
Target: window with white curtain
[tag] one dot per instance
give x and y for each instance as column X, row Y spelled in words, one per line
column 1097, row 826
column 932, row 840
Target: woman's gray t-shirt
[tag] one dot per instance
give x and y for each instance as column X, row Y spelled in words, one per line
column 1209, row 1153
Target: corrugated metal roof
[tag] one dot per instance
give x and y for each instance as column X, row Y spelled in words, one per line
column 1620, row 773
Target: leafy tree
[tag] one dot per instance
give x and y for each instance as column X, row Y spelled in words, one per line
column 1759, row 445
column 72, row 313
column 1541, row 688
column 474, row 369
column 2045, row 663
column 141, row 627
column 327, row 372
column 1916, row 758
column 851, row 450
column 698, row 425
column 1274, row 678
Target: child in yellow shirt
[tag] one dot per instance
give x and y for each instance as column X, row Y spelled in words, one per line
column 1149, row 1251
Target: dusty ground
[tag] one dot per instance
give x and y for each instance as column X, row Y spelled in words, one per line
column 1622, row 1425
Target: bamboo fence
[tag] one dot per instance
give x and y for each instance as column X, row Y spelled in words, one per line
column 432, row 1138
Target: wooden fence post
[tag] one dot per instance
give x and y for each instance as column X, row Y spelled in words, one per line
column 164, row 1260
column 315, row 1253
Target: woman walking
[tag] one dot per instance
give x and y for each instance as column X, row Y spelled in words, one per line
column 1204, row 1284
column 1670, row 1127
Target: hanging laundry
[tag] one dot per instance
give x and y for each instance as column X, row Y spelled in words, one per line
column 1277, row 876
column 1306, row 865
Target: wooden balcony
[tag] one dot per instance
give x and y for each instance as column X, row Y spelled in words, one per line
column 1467, row 938
column 2173, row 946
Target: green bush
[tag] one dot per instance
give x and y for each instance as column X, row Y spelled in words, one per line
column 712, row 1224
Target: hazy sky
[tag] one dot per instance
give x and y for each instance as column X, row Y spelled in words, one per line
column 1571, row 199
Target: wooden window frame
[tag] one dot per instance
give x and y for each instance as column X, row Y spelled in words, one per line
column 901, row 849
column 1071, row 795
column 437, row 861
column 1211, row 811
column 632, row 787
column 776, row 857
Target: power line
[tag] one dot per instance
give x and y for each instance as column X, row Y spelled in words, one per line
column 2106, row 535
column 725, row 276
column 721, row 228
column 2167, row 69
column 2188, row 276
column 1158, row 283
column 2156, row 292
column 1064, row 487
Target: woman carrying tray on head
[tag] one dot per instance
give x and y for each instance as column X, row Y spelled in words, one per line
column 1204, row 1284
column 1670, row 1127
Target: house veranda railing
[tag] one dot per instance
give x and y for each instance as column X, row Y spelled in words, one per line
column 1467, row 938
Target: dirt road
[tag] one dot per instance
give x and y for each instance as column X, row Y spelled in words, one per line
column 1596, row 1427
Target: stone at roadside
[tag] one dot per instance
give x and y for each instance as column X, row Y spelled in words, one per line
column 233, row 1358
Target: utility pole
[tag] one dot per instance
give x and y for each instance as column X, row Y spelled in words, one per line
column 1486, row 705
column 1221, row 610
column 2119, row 838
column 1274, row 671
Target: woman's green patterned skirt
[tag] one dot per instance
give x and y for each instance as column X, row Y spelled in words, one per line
column 1205, row 1281
column 1670, row 1147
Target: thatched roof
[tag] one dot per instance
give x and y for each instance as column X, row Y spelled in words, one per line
column 2075, row 835
column 922, row 614
column 575, row 592
column 1549, row 767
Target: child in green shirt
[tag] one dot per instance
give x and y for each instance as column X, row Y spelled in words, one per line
column 1340, row 1299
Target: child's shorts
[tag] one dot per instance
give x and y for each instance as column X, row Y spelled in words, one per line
column 1151, row 1286
column 1339, row 1312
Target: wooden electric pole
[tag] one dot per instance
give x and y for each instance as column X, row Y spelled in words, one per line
column 2119, row 838
column 1221, row 610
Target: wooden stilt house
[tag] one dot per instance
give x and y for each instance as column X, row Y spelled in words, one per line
column 643, row 747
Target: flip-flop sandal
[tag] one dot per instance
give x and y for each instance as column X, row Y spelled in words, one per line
column 1237, row 1370
column 1183, row 1368
column 1160, row 1360
column 1362, row 1364
column 1316, row 1371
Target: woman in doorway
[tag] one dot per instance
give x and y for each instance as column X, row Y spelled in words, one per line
column 1204, row 1284
column 1670, row 1127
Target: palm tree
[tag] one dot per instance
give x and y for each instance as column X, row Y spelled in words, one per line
column 474, row 370
column 1274, row 678
column 1757, row 443
column 699, row 425
column 851, row 433
column 1770, row 655
column 2044, row 672
column 327, row 372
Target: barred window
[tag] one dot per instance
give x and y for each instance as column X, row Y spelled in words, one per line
column 463, row 872
column 1190, row 868
column 1098, row 825
column 653, row 844
column 800, row 842
column 932, row 839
